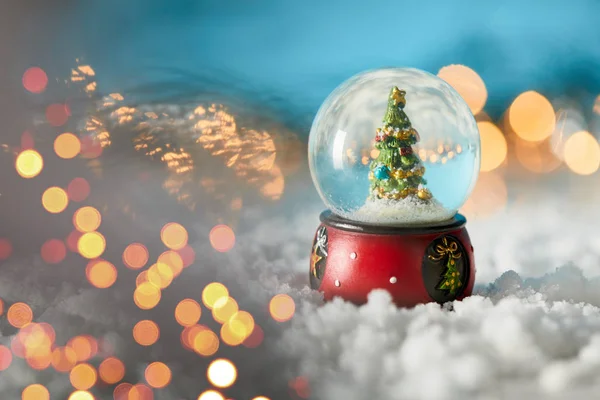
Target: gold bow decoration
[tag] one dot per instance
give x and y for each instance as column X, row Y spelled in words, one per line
column 450, row 249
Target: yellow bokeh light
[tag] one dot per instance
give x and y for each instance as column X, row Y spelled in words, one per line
column 146, row 332
column 160, row 275
column 211, row 395
column 55, row 200
column 224, row 308
column 91, row 245
column 213, row 292
column 81, row 395
column 205, row 342
column 531, row 116
column 493, row 146
column 467, row 83
column 101, row 273
column 241, row 324
column 187, row 312
column 83, row 376
column 174, row 236
column 87, row 219
column 67, row 145
column 158, row 375
column 221, row 373
column 146, row 296
column 233, row 333
column 35, row 392
column 173, row 260
column 282, row 307
column 29, row 164
column 582, row 153
column 261, row 398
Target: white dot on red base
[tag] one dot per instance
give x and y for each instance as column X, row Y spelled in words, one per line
column 353, row 256
column 393, row 279
column 337, row 283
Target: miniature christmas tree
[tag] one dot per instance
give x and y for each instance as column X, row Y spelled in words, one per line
column 451, row 279
column 397, row 172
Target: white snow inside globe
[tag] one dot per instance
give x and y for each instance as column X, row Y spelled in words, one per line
column 395, row 146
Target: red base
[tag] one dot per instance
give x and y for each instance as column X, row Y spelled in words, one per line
column 349, row 260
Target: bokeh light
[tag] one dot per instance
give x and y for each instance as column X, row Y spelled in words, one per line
column 213, row 292
column 582, row 153
column 91, row 245
column 5, row 358
column 27, row 141
column 55, row 200
column 224, row 308
column 83, row 376
column 255, row 339
column 241, row 325
column 140, row 392
column 173, row 260
column 158, row 375
column 35, row 80
column 122, row 390
column 211, row 395
column 135, row 256
column 84, row 346
column 35, row 392
column 260, row 398
column 87, row 219
column 221, row 373
column 187, row 312
column 146, row 296
column 160, row 275
column 67, row 145
column 282, row 307
column 531, row 116
column 53, row 251
column 57, row 114
column 5, row 249
column 493, row 146
column 188, row 255
column 146, row 332
column 222, row 238
column 29, row 164
column 63, row 359
column 101, row 273
column 467, row 83
column 78, row 189
column 19, row 315
column 111, row 370
column 536, row 157
column 174, row 236
column 81, row 395
column 90, row 148
column 205, row 342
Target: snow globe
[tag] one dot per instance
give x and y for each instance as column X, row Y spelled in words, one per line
column 394, row 153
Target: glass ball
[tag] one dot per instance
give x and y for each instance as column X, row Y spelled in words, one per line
column 395, row 146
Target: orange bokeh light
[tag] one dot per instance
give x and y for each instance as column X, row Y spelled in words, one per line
column 146, row 296
column 173, row 260
column 5, row 357
column 19, row 315
column 222, row 238
column 78, row 189
column 468, row 84
column 140, row 392
column 87, row 219
column 189, row 334
column 35, row 80
column 255, row 339
column 29, row 164
column 187, row 312
column 91, row 245
column 493, row 146
column 57, row 114
column 85, row 347
column 531, row 116
column 188, row 256
column 67, row 145
column 122, row 390
column 81, row 395
column 111, row 370
column 221, row 373
column 205, row 342
column 35, row 392
column 582, row 153
column 224, row 308
column 55, row 200
column 53, row 251
column 64, row 359
column 174, row 236
column 83, row 376
column 135, row 256
column 146, row 332
column 282, row 307
column 213, row 292
column 158, row 375
column 160, row 275
column 101, row 274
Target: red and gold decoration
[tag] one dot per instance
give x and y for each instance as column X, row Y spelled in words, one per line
column 318, row 257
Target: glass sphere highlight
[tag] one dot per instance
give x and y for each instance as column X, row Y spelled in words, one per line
column 395, row 146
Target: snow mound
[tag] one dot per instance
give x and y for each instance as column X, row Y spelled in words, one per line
column 408, row 211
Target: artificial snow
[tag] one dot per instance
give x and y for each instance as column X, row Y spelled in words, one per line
column 408, row 211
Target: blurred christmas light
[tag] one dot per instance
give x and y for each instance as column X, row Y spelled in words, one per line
column 122, row 390
column 5, row 249
column 230, row 333
column 261, row 398
column 531, row 116
column 78, row 189
column 224, row 308
column 174, row 236
column 493, row 146
column 188, row 256
column 256, row 337
column 101, row 273
column 83, row 376
column 146, row 296
column 537, row 157
column 111, row 370
column 213, row 292
column 55, row 200
column 221, row 373
column 158, row 375
column 582, row 153
column 91, row 245
column 187, row 312
column 222, row 238
column 85, row 347
column 211, row 395
column 5, row 358
column 87, row 219
column 140, row 392
column 29, row 164
column 81, row 395
column 57, row 114
column 146, row 332
column 35, row 80
column 282, row 307
column 64, row 359
column 1, row 307
column 135, row 256
column 205, row 342
column 172, row 260
column 35, row 392
column 67, row 145
column 160, row 275
column 19, row 315
column 53, row 251
column 241, row 324
column 467, row 83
